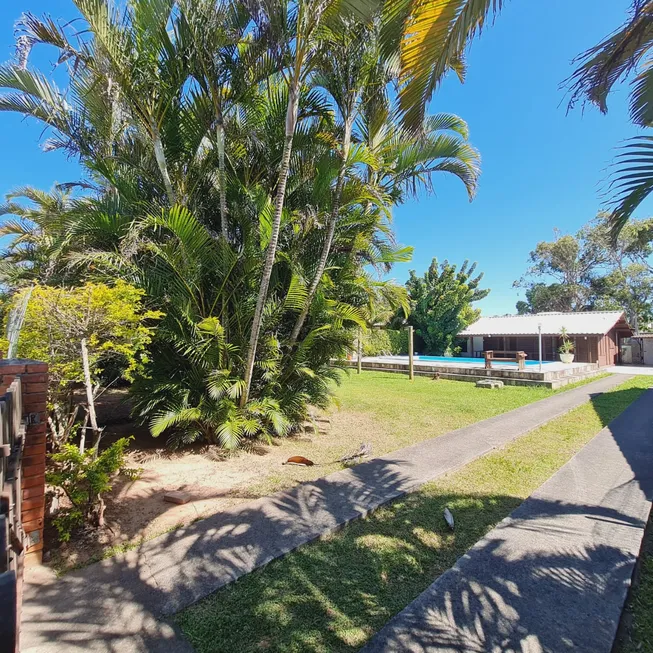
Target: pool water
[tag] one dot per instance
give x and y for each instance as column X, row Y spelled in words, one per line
column 476, row 361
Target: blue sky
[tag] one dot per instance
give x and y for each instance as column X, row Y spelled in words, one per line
column 541, row 168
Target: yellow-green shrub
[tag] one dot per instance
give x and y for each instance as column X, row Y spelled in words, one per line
column 84, row 477
column 114, row 324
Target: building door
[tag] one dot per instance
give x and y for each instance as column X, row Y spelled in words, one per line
column 582, row 349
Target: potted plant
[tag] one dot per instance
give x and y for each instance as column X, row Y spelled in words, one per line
column 566, row 349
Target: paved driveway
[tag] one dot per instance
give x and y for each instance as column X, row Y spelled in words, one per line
column 646, row 370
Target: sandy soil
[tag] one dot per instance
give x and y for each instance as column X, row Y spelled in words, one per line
column 215, row 482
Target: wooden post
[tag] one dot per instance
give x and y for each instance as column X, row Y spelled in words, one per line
column 360, row 350
column 488, row 355
column 411, row 370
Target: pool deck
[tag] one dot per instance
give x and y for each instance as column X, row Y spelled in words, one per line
column 553, row 375
column 547, row 366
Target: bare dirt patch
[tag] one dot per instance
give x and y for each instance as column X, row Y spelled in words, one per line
column 136, row 509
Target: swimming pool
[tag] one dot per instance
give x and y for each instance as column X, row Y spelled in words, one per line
column 473, row 361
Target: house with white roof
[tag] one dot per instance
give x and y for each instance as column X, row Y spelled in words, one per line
column 596, row 335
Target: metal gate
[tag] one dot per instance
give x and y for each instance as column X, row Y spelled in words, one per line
column 12, row 442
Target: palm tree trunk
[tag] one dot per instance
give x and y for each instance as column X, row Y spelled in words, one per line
column 163, row 166
column 328, row 241
column 222, row 180
column 284, row 170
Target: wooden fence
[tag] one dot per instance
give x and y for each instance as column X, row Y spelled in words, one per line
column 12, row 537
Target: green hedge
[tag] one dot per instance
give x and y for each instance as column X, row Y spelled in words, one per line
column 379, row 342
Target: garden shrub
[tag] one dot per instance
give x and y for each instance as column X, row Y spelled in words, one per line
column 84, row 478
column 113, row 325
column 398, row 341
column 384, row 342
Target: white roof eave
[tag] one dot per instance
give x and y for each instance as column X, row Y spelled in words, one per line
column 587, row 323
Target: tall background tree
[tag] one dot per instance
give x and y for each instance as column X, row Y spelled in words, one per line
column 571, row 262
column 441, row 303
column 591, row 270
column 542, row 297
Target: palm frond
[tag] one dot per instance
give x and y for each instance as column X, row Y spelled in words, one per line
column 296, row 295
column 631, row 181
column 164, row 421
column 434, row 35
column 641, row 98
column 603, row 65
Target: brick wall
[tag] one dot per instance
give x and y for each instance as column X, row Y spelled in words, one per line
column 34, row 383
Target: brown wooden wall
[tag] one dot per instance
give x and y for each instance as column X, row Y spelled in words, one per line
column 603, row 350
column 528, row 344
column 585, row 349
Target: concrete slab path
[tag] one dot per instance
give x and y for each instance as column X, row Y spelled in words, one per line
column 642, row 370
column 120, row 604
column 554, row 575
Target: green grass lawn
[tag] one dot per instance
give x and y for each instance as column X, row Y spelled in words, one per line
column 394, row 413
column 636, row 631
column 414, row 411
column 334, row 594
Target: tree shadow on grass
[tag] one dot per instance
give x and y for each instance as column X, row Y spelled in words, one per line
column 334, row 596
column 324, row 599
column 604, row 403
column 116, row 604
column 554, row 576
column 128, row 519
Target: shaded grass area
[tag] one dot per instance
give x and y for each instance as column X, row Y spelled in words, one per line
column 636, row 628
column 333, row 595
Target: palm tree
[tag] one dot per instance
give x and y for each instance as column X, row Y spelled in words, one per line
column 432, row 37
column 126, row 92
column 39, row 235
column 243, row 176
column 216, row 32
column 344, row 68
column 351, row 73
column 301, row 28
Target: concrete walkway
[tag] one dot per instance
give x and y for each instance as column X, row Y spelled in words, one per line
column 120, row 603
column 645, row 370
column 554, row 575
